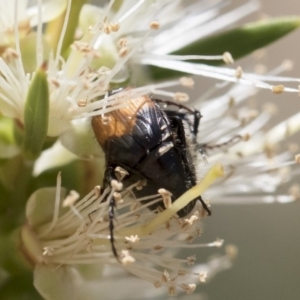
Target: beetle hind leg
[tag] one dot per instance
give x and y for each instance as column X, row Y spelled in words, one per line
column 109, row 176
column 204, row 205
column 111, row 216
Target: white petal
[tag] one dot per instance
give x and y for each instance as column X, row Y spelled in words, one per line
column 80, row 139
column 40, row 206
column 7, row 12
column 51, row 9
column 53, row 157
column 70, row 282
column 59, row 284
column 89, row 16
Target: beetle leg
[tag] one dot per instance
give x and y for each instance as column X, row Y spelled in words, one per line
column 194, row 112
column 204, row 147
column 111, row 215
column 181, row 145
column 108, row 177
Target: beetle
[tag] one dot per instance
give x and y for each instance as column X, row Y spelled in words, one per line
column 149, row 143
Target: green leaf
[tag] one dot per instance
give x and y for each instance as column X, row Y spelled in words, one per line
column 19, row 287
column 238, row 41
column 28, row 50
column 72, row 24
column 8, row 147
column 7, row 130
column 117, row 5
column 15, row 175
column 55, row 27
column 11, row 258
column 244, row 40
column 36, row 115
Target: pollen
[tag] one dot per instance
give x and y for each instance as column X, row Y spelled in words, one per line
column 191, row 260
column 132, row 238
column 97, row 190
column 118, row 197
column 116, row 185
column 190, row 238
column 122, row 42
column 82, row 102
column 71, row 199
column 165, row 276
column 187, row 82
column 154, row 25
column 278, row 89
column 181, row 97
column 231, row 251
column 218, row 243
column 239, row 72
column 106, row 28
column 166, row 197
column 82, row 47
column 227, row 58
column 127, row 258
column 203, row 277
column 120, row 173
column 181, row 272
column 188, row 288
column 246, row 137
column 172, row 290
column 48, row 251
column 54, row 82
column 115, row 27
column 157, row 247
column 10, row 54
column 140, row 184
column 123, row 52
column 189, row 222
column 231, row 102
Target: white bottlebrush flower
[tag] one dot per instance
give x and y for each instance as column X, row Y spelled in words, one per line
column 235, row 135
column 24, row 17
column 70, row 246
column 113, row 49
column 76, row 239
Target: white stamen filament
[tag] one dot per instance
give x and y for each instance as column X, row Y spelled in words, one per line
column 56, row 206
column 130, row 11
column 17, row 40
column 62, row 35
column 225, row 74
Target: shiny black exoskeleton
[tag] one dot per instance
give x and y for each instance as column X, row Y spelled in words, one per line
column 150, row 143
